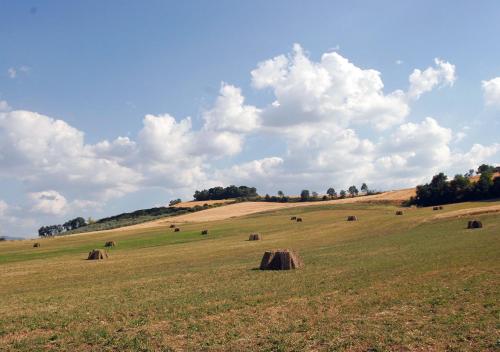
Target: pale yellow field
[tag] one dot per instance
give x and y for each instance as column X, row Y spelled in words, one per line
column 247, row 208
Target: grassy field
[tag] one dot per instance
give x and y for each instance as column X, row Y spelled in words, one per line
column 383, row 283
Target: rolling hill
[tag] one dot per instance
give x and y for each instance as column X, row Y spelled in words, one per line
column 420, row 281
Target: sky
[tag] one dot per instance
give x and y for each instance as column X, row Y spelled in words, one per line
column 113, row 106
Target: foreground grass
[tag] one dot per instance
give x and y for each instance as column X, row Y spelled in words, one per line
column 383, row 283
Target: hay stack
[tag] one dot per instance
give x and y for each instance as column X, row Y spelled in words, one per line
column 281, row 259
column 255, row 237
column 352, row 218
column 172, row 226
column 177, row 229
column 299, row 219
column 440, row 207
column 204, row 232
column 110, row 244
column 36, row 245
column 293, row 218
column 399, row 212
column 474, row 224
column 97, row 254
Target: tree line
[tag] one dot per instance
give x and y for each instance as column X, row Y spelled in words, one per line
column 54, row 230
column 460, row 189
column 218, row 193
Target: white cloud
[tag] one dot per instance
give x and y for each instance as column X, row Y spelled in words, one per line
column 491, row 91
column 12, row 72
column 332, row 90
column 48, row 202
column 229, row 112
column 399, row 62
column 424, row 81
column 4, row 106
column 316, row 132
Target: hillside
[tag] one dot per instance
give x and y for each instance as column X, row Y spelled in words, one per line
column 247, row 208
column 420, row 281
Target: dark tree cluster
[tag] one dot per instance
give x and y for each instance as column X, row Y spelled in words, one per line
column 51, row 230
column 54, row 230
column 459, row 189
column 218, row 193
column 174, row 202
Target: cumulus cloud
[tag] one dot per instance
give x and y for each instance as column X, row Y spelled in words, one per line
column 491, row 91
column 424, row 81
column 333, row 90
column 316, row 131
column 48, row 202
column 229, row 112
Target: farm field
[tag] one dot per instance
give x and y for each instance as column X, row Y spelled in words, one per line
column 420, row 281
column 247, row 208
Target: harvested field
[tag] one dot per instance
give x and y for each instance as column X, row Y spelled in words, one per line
column 247, row 208
column 386, row 283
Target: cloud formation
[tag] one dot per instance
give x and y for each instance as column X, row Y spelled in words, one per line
column 332, row 120
column 491, row 91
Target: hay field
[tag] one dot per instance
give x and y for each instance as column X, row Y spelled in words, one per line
column 247, row 208
column 382, row 283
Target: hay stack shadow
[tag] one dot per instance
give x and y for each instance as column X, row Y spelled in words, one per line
column 281, row 259
column 97, row 254
column 474, row 224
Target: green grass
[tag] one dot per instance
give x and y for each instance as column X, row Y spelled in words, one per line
column 382, row 283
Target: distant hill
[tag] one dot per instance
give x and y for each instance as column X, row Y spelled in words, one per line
column 10, row 238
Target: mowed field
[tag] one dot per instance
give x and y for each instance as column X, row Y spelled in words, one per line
column 415, row 282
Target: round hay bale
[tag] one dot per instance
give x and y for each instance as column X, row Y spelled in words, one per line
column 97, row 254
column 352, row 218
column 293, row 218
column 36, row 244
column 204, row 232
column 172, row 226
column 254, row 237
column 110, row 244
column 177, row 229
column 399, row 212
column 299, row 219
column 280, row 259
column 474, row 224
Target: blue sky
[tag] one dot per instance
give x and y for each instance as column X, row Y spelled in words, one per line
column 100, row 67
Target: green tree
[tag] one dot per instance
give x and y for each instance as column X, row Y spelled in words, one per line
column 304, row 195
column 353, row 191
column 331, row 192
column 343, row 194
column 364, row 188
column 281, row 194
column 485, row 168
